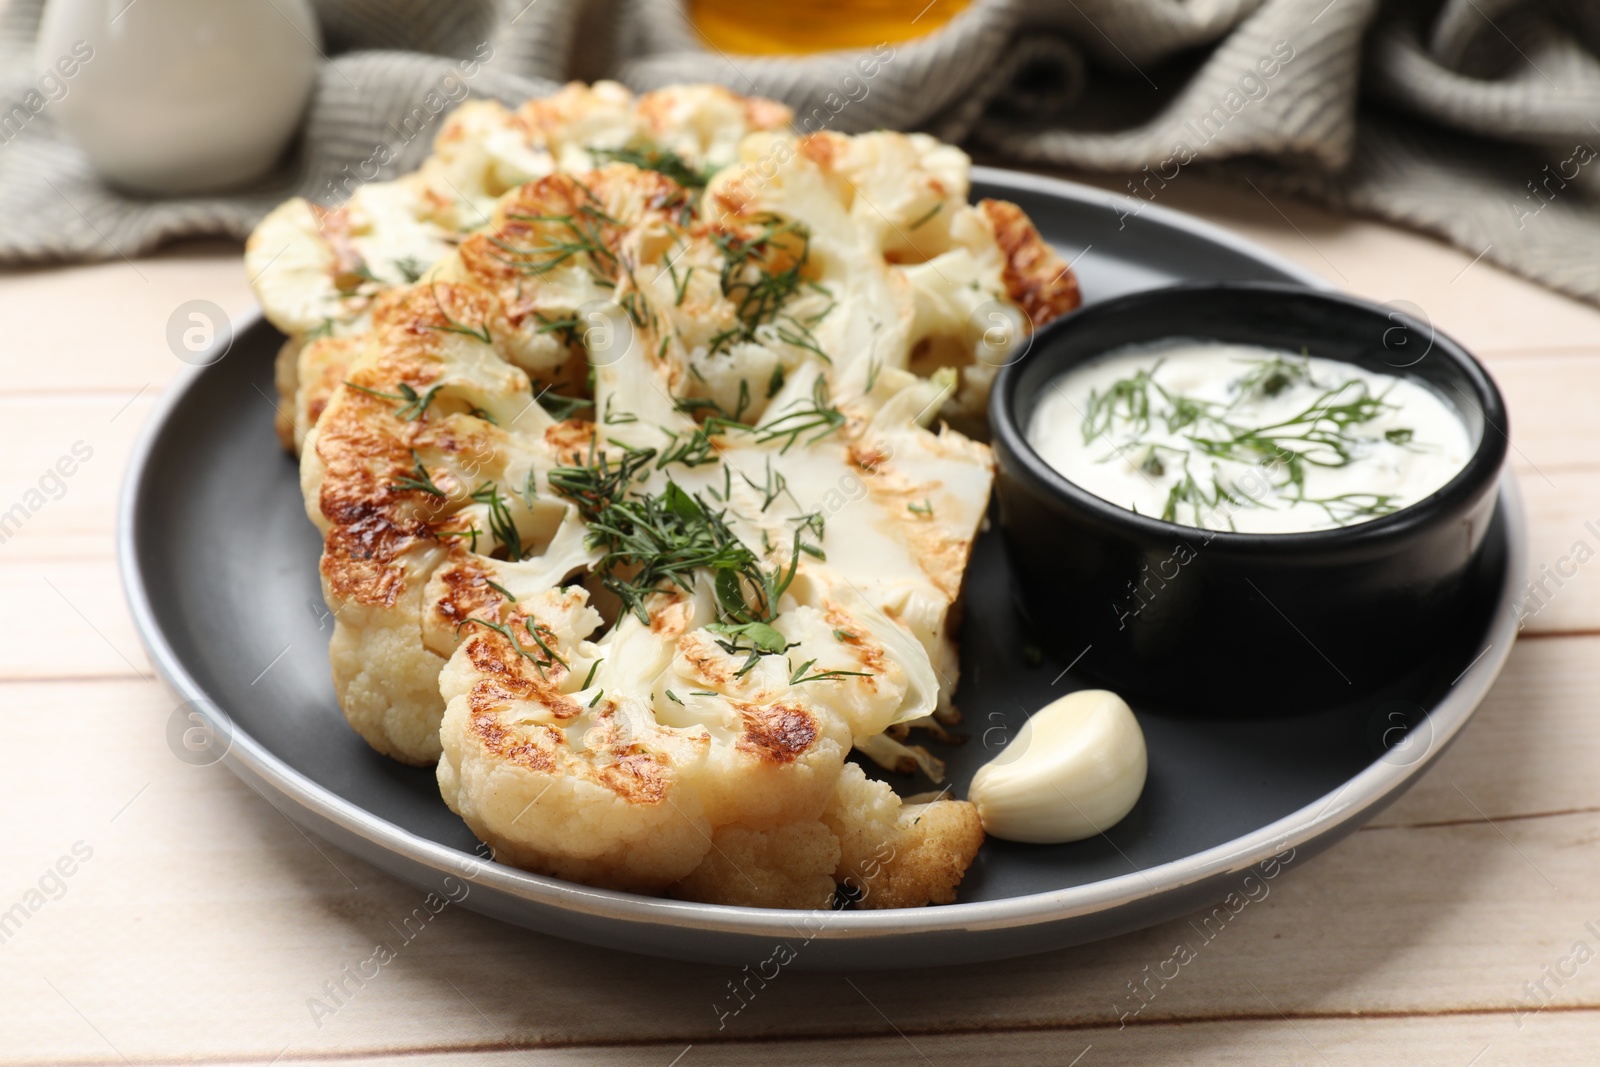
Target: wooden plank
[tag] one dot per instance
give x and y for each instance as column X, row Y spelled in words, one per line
column 1552, row 424
column 62, row 470
column 1530, row 749
column 1563, row 520
column 1492, row 1040
column 1472, row 1040
column 103, row 326
column 232, row 914
column 78, row 624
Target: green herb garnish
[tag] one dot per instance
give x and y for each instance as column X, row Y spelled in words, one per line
column 501, row 525
column 926, row 218
column 481, row 332
column 1324, row 433
column 799, row 675
column 419, row 480
column 412, row 404
column 561, row 408
column 542, row 662
column 661, row 160
column 821, row 416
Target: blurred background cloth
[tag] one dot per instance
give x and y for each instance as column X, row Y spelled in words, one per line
column 1475, row 120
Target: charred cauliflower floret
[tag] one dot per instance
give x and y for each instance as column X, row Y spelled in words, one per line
column 394, row 475
column 926, row 281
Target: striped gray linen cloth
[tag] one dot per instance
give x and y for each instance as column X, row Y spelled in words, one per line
column 1475, row 120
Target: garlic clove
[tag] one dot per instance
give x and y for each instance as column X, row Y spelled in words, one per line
column 1077, row 767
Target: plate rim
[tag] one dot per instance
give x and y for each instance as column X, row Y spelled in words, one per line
column 1380, row 782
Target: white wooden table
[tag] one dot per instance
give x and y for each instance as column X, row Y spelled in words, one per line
column 197, row 923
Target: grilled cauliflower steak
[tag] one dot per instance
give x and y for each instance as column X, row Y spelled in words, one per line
column 937, row 282
column 661, row 630
column 634, row 523
column 318, row 271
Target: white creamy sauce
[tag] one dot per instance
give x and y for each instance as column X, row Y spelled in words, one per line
column 1236, row 437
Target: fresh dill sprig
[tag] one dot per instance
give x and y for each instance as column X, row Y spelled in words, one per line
column 637, row 307
column 1271, row 376
column 717, row 422
column 595, row 487
column 757, row 283
column 561, row 408
column 692, row 405
column 419, row 480
column 1318, row 434
column 471, row 532
column 410, row 268
column 661, row 160
column 533, row 632
column 925, row 219
column 821, row 416
column 801, row 337
column 1347, row 507
column 1189, row 491
column 617, row 418
column 1131, row 394
column 543, row 663
column 412, row 404
column 772, row 486
column 1322, row 433
column 583, row 238
column 565, row 327
column 814, row 524
column 799, row 676
column 653, row 542
column 481, row 331
column 501, row 524
column 691, row 451
column 663, row 539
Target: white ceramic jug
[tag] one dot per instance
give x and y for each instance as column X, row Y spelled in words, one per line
column 180, row 96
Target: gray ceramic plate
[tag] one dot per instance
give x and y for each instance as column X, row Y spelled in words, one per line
column 220, row 566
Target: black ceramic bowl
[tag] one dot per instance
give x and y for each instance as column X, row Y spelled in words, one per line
column 1220, row 620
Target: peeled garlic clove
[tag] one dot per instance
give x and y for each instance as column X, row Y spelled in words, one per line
column 1076, row 767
